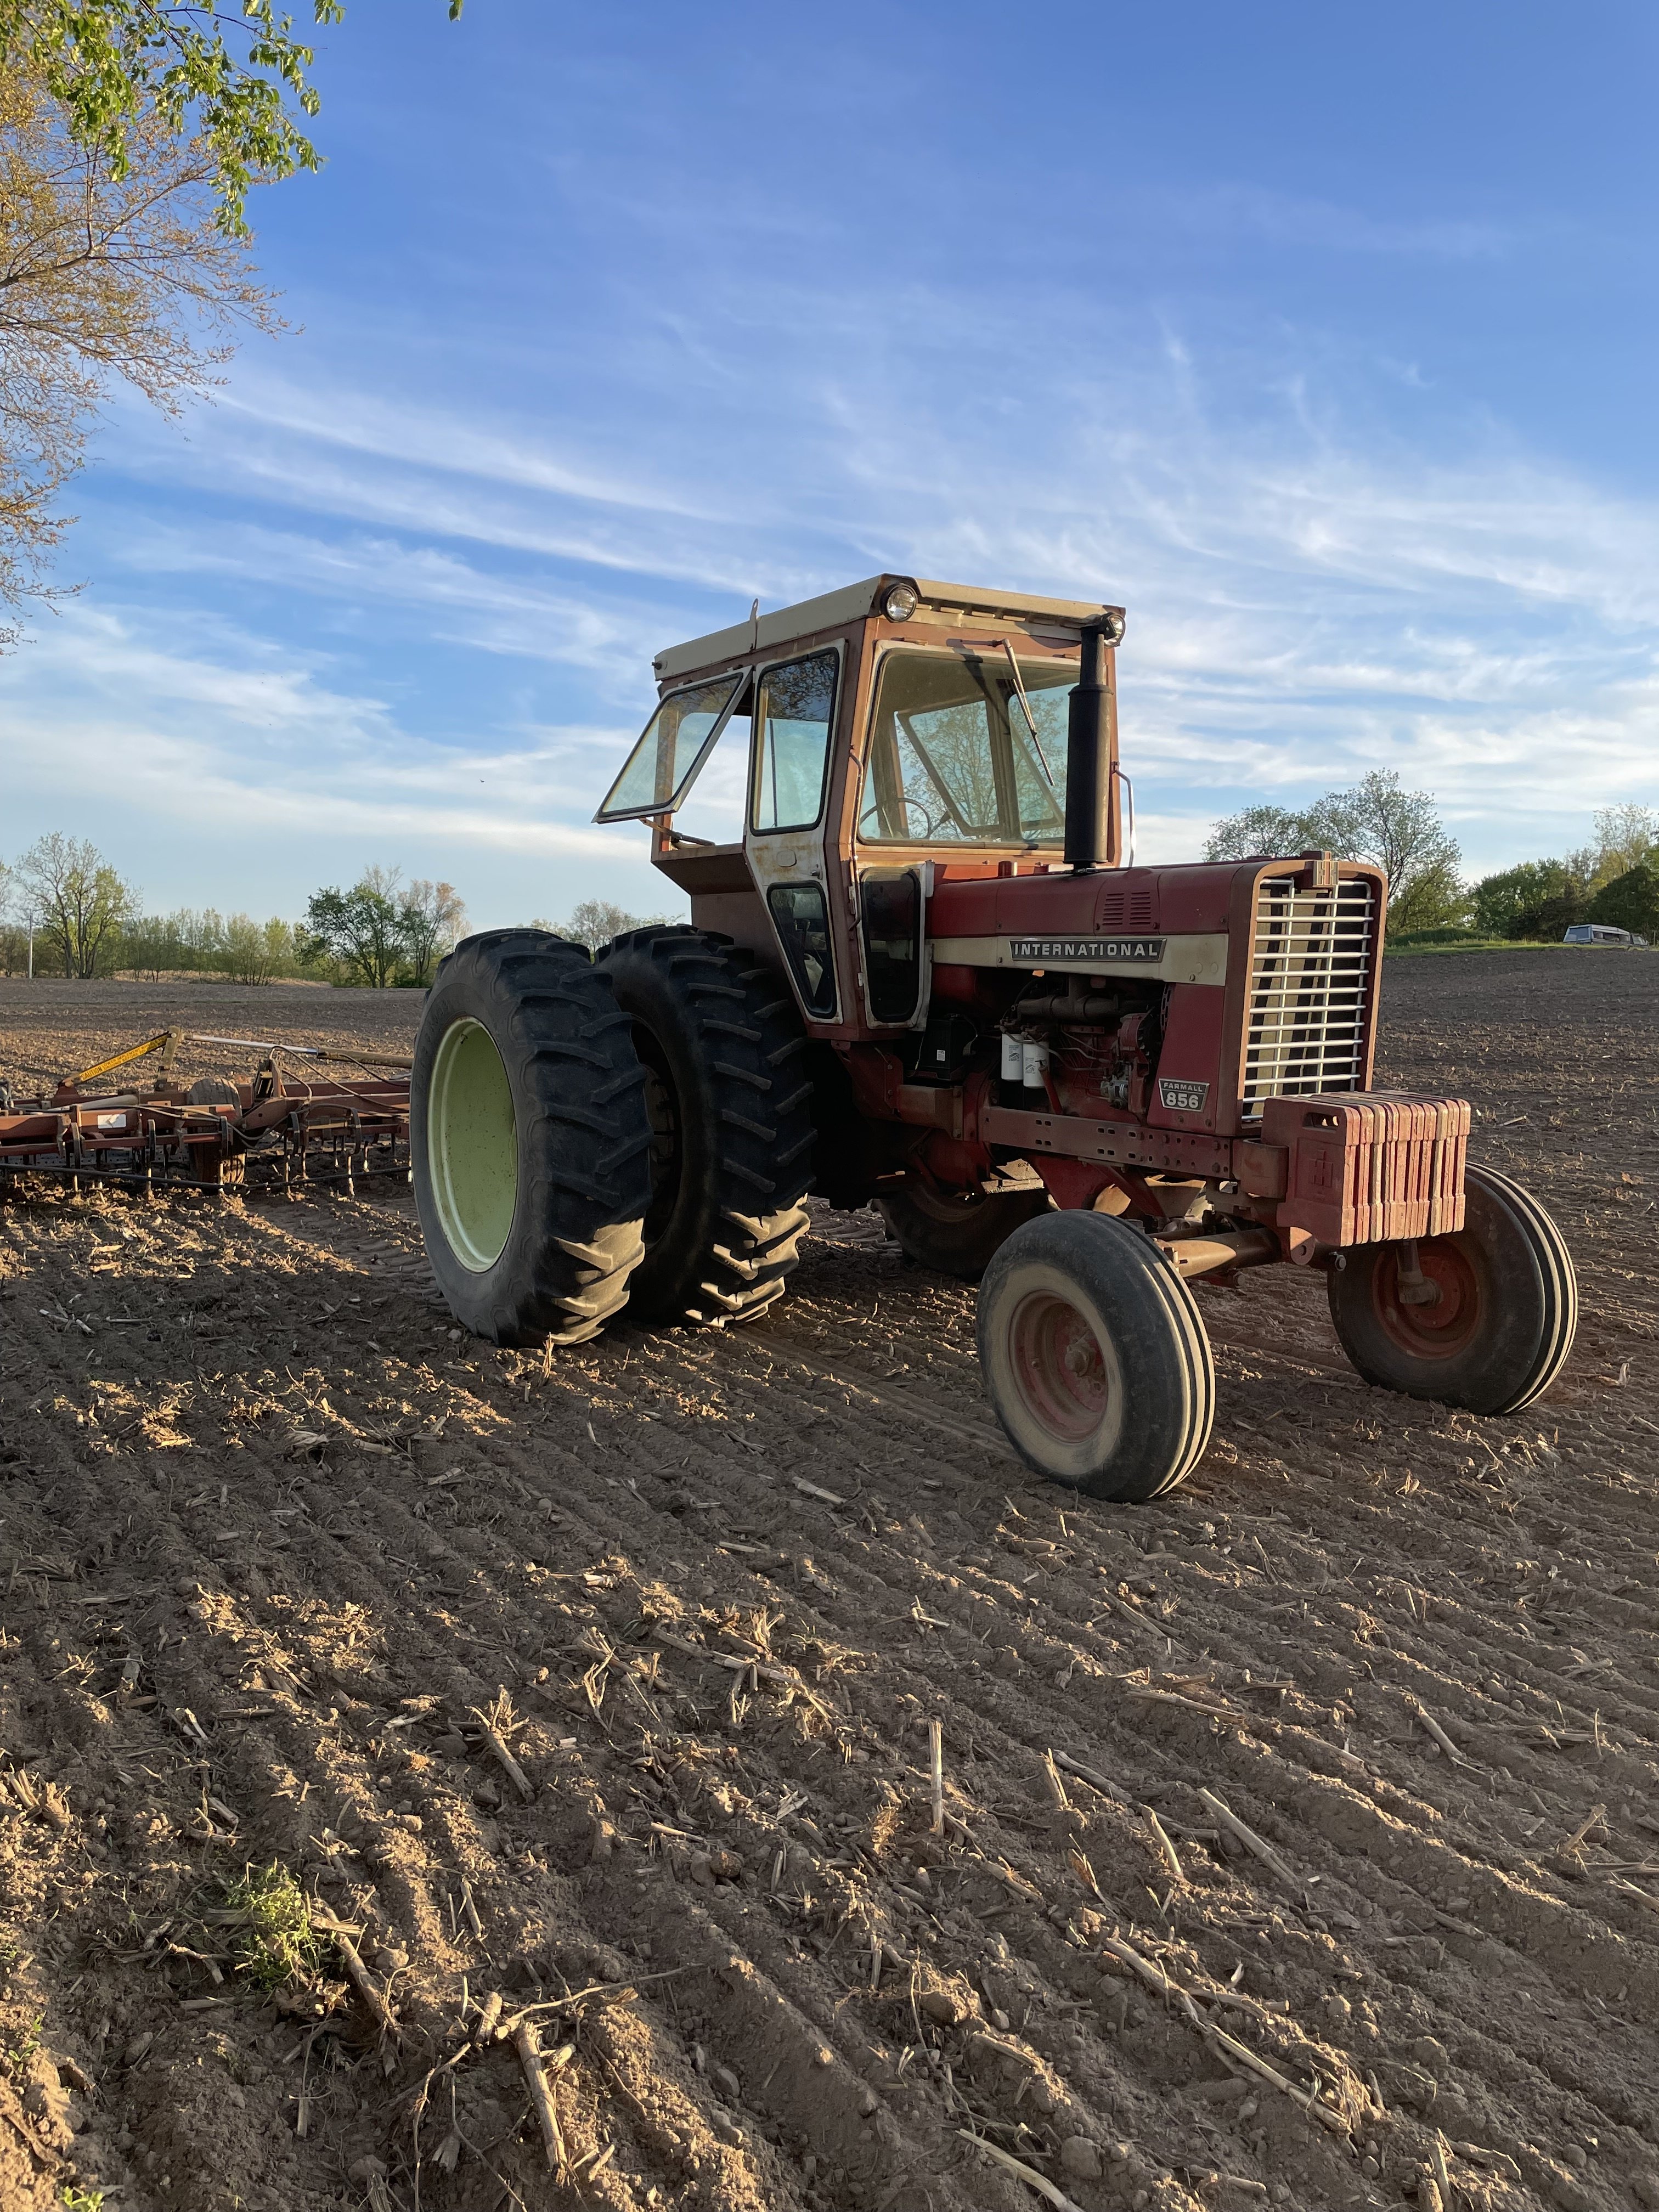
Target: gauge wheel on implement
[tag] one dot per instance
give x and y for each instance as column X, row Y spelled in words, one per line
column 1484, row 1319
column 529, row 1140
column 1095, row 1357
column 730, row 1109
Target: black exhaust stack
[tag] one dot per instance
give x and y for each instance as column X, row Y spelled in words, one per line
column 1089, row 750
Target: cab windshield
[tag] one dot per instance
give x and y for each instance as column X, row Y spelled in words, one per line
column 953, row 759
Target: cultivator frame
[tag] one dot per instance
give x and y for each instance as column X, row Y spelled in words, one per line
column 268, row 1132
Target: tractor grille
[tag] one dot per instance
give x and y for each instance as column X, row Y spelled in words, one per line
column 1310, row 969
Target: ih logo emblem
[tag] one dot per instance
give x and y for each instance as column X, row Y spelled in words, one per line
column 1178, row 1095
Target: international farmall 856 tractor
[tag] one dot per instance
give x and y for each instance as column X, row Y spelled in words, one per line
column 925, row 978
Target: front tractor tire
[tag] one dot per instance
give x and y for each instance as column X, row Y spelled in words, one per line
column 1498, row 1331
column 730, row 1107
column 529, row 1140
column 1095, row 1357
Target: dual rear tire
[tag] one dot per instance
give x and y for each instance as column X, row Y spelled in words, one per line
column 586, row 1135
column 529, row 1140
column 730, row 1105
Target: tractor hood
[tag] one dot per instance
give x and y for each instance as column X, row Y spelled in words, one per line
column 1105, row 902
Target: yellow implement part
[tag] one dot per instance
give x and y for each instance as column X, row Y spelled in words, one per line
column 166, row 1042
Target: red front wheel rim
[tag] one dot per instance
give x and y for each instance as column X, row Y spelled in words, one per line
column 1444, row 1329
column 1058, row 1366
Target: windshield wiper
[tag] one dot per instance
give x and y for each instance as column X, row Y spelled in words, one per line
column 1030, row 718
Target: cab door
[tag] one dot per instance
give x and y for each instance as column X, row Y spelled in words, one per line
column 796, row 703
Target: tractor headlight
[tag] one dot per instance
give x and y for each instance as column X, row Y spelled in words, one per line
column 900, row 603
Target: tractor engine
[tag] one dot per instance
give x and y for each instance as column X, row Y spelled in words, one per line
column 1080, row 1046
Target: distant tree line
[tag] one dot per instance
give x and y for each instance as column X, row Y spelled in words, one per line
column 1614, row 878
column 85, row 920
column 594, row 922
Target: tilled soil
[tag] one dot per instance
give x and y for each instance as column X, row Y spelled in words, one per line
column 1298, row 1842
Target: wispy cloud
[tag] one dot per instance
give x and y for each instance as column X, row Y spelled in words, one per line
column 1312, row 592
column 194, row 730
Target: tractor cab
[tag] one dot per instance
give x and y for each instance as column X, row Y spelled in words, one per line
column 898, row 733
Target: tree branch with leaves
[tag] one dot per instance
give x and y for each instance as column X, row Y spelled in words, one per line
column 131, row 134
column 1377, row 820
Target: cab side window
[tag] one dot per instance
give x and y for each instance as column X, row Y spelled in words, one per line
column 794, row 714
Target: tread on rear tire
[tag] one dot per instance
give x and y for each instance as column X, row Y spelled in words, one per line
column 1095, row 1358
column 528, row 1139
column 1505, row 1324
column 730, row 1103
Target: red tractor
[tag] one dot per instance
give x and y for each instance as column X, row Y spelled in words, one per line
column 926, row 978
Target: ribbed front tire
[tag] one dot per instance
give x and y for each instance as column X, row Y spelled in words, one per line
column 529, row 1140
column 1095, row 1357
column 1500, row 1324
column 730, row 1105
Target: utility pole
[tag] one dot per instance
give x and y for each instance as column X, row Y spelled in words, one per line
column 31, row 920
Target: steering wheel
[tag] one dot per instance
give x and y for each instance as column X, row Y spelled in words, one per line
column 869, row 820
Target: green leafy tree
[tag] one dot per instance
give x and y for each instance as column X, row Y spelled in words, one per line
column 1624, row 837
column 1630, row 901
column 1536, row 899
column 1376, row 820
column 79, row 901
column 359, row 929
column 234, row 84
column 101, row 278
column 1402, row 830
column 131, row 131
column 1258, row 833
column 192, row 942
column 152, row 946
column 256, row 951
column 431, row 920
column 13, row 935
column 1548, row 922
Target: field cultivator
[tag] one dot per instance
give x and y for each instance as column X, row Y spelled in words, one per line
column 268, row 1132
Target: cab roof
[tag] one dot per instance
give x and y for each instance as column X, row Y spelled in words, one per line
column 851, row 604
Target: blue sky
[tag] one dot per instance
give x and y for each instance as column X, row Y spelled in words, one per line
column 1322, row 338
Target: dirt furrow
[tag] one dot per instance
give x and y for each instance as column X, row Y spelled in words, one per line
column 282, row 1560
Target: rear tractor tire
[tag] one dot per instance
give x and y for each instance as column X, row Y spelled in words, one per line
column 1498, row 1332
column 958, row 1233
column 529, row 1140
column 730, row 1106
column 1095, row 1357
